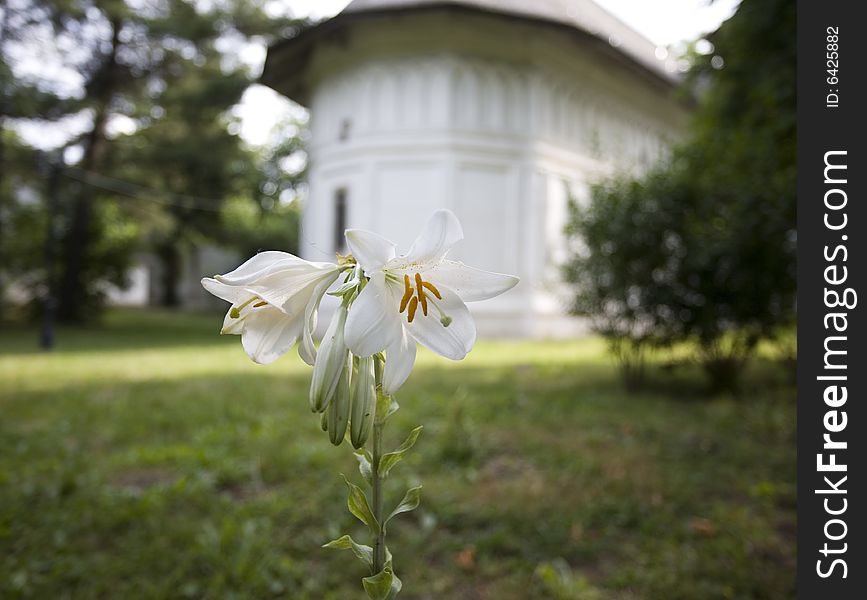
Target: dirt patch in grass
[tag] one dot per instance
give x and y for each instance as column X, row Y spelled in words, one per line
column 140, row 479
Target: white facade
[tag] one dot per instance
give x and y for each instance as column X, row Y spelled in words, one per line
column 493, row 118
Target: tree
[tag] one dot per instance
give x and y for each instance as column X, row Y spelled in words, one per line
column 703, row 247
column 20, row 185
column 22, row 212
column 274, row 219
column 140, row 63
column 130, row 52
column 627, row 254
column 188, row 164
column 210, row 187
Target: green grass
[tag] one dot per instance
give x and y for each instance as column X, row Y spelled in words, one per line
column 149, row 458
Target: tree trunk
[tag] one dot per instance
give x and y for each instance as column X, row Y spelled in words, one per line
column 2, row 233
column 170, row 256
column 73, row 286
column 3, row 27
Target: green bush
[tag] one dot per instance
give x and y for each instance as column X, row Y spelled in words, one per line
column 702, row 248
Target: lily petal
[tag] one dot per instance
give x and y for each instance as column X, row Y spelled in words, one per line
column 371, row 250
column 453, row 341
column 373, row 322
column 235, row 324
column 470, row 283
column 258, row 266
column 399, row 360
column 229, row 293
column 268, row 333
column 440, row 233
column 290, row 286
column 306, row 347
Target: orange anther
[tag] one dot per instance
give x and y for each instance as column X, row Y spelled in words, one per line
column 405, row 300
column 421, row 296
column 413, row 306
column 433, row 289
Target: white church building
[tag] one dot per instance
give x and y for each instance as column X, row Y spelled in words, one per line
column 498, row 110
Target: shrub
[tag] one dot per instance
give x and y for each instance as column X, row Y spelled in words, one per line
column 702, row 248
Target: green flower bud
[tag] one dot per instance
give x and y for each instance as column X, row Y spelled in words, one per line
column 363, row 402
column 338, row 409
column 330, row 361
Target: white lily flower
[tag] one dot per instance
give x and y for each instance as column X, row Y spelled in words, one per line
column 417, row 297
column 275, row 301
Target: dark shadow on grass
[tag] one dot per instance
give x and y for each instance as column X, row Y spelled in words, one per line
column 120, row 329
column 685, row 381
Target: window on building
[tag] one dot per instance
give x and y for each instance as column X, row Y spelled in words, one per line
column 339, row 220
column 345, row 129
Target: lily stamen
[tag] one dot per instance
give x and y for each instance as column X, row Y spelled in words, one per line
column 235, row 312
column 416, row 295
column 413, row 305
column 404, row 301
column 433, row 289
column 407, row 293
column 419, row 286
column 445, row 320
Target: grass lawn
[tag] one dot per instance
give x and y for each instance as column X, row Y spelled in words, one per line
column 149, row 458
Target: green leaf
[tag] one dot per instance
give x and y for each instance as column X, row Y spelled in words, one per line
column 396, row 585
column 385, row 405
column 392, row 458
column 393, row 407
column 365, row 553
column 364, row 466
column 379, row 586
column 358, row 506
column 410, row 502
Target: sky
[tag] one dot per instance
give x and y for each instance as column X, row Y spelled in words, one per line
column 667, row 23
column 664, row 22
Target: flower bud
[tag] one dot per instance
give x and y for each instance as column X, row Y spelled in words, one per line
column 338, row 409
column 330, row 362
column 363, row 402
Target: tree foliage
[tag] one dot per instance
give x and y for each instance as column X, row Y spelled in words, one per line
column 702, row 248
column 167, row 74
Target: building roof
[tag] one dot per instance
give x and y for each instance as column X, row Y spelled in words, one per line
column 584, row 17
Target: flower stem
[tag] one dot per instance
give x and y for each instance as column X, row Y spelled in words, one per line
column 377, row 481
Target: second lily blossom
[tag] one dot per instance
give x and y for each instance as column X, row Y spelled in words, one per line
column 275, row 299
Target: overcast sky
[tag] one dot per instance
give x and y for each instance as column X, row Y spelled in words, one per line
column 665, row 22
column 662, row 21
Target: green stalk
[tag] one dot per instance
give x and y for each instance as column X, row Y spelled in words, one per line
column 377, row 481
column 379, row 416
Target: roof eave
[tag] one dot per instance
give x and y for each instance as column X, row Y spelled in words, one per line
column 292, row 55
